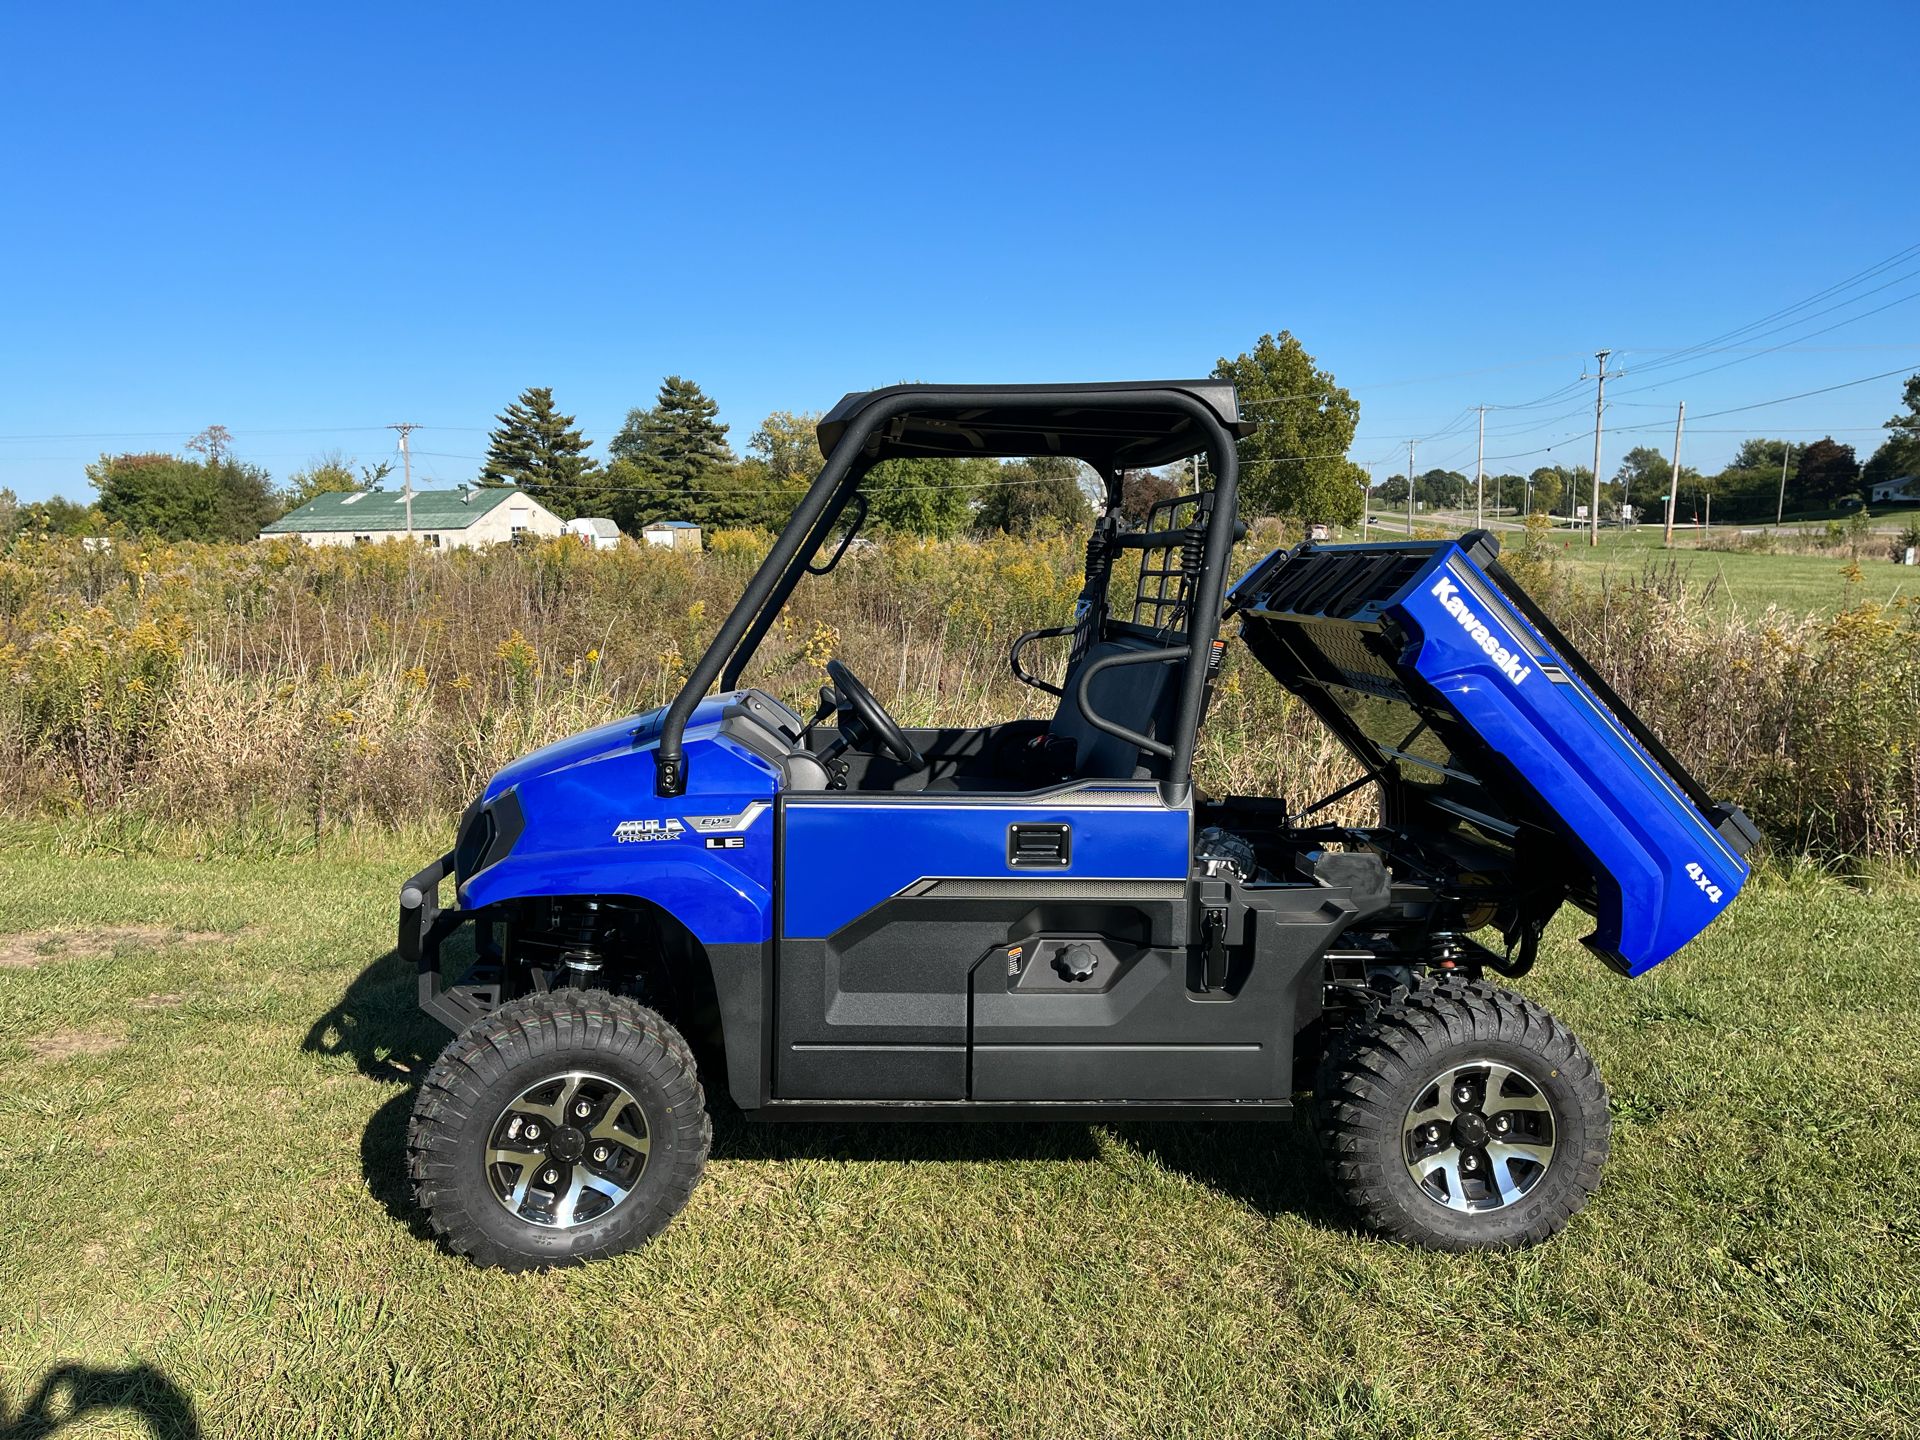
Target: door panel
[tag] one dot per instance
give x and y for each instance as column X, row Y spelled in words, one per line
column 889, row 905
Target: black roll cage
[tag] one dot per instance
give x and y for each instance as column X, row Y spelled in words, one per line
column 941, row 420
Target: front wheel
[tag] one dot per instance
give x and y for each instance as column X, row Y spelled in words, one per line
column 563, row 1127
column 1464, row 1118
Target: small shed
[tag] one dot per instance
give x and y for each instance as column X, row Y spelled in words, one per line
column 594, row 531
column 1904, row 487
column 672, row 534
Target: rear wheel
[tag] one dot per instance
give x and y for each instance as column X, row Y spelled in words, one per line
column 1464, row 1118
column 563, row 1127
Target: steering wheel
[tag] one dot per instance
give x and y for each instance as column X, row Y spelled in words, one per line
column 857, row 703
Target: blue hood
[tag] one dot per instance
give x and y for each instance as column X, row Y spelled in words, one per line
column 580, row 817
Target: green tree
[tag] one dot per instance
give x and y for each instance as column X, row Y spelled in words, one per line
column 9, row 512
column 1827, row 471
column 213, row 498
column 1749, row 487
column 540, row 450
column 58, row 515
column 1506, row 492
column 331, row 474
column 1643, row 475
column 1442, row 490
column 928, row 495
column 1896, row 458
column 788, row 444
column 678, row 446
column 1899, row 455
column 784, row 460
column 1906, row 425
column 1548, row 491
column 1042, row 494
column 1295, row 463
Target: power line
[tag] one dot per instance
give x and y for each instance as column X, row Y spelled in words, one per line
column 1898, row 257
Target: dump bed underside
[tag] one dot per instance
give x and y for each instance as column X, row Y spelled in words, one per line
column 1447, row 683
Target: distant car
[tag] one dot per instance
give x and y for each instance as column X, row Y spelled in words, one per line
column 1852, row 502
column 1319, row 533
column 1373, row 519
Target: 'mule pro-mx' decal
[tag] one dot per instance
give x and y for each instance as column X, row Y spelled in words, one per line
column 633, row 831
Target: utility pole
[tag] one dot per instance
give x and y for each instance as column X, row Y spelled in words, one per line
column 1366, row 502
column 1780, row 510
column 1599, row 404
column 1480, row 476
column 1410, row 445
column 406, row 463
column 1673, row 480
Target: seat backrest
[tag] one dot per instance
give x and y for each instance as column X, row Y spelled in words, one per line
column 1143, row 698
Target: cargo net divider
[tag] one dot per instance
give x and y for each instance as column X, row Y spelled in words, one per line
column 1168, row 568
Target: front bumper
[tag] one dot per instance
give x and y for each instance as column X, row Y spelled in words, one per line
column 424, row 926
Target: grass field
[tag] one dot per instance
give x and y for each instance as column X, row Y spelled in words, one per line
column 1741, row 581
column 205, row 1071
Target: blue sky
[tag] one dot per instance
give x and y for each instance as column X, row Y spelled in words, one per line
column 306, row 222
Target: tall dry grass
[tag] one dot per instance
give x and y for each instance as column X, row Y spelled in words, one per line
column 290, row 691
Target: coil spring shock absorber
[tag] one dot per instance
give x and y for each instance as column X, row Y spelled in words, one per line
column 576, row 929
column 1443, row 951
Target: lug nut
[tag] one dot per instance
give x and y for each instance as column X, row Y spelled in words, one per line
column 581, row 1109
column 600, row 1153
column 1501, row 1124
column 1469, row 1162
column 1433, row 1133
column 532, row 1132
column 1462, row 1095
column 549, row 1177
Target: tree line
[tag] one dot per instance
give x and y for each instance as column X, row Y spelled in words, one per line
column 673, row 460
column 1825, row 475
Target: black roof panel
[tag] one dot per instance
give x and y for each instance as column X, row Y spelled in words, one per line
column 1097, row 423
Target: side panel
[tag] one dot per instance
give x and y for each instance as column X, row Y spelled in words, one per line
column 1138, row 1028
column 847, row 853
column 888, row 905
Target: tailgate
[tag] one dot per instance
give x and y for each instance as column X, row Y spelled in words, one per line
column 1443, row 677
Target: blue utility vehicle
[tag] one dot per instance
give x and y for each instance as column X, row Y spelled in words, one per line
column 835, row 917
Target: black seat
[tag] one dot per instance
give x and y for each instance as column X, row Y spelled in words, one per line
column 1143, row 697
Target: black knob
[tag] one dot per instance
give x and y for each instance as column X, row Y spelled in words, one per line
column 1076, row 962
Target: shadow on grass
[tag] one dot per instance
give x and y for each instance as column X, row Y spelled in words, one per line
column 73, row 1394
column 1269, row 1166
column 377, row 1024
column 1272, row 1166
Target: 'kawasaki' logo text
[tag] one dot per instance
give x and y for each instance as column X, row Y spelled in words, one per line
column 1447, row 592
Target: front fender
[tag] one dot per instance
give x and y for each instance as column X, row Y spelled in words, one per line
column 719, row 904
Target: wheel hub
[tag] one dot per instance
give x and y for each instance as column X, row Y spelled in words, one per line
column 568, row 1150
column 1479, row 1136
column 1469, row 1131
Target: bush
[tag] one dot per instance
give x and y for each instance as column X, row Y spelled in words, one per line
column 303, row 688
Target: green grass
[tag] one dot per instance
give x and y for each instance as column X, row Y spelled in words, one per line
column 200, row 1133
column 1740, row 580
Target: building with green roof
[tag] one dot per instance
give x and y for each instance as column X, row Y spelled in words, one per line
column 451, row 519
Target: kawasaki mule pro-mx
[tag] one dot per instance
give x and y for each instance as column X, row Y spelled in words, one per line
column 1042, row 920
